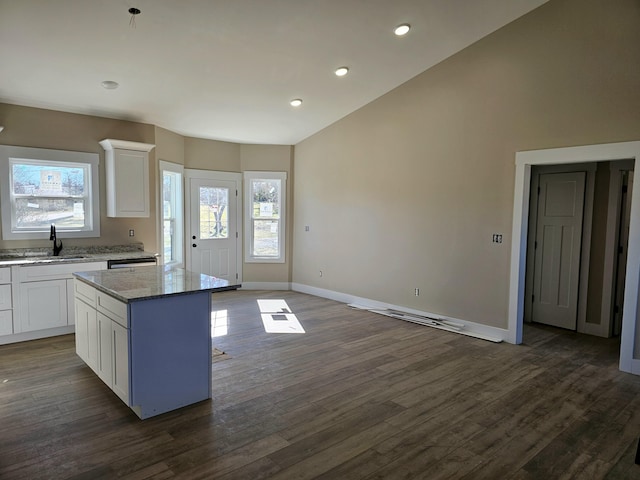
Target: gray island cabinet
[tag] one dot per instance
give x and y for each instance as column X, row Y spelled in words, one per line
column 146, row 332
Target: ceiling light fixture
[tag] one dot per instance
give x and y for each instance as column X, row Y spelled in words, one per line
column 110, row 84
column 342, row 71
column 401, row 30
column 296, row 102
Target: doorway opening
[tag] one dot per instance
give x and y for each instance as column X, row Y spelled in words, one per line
column 629, row 359
column 577, row 246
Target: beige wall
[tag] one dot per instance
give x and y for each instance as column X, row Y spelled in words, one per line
column 204, row 154
column 406, row 192
column 40, row 128
column 169, row 146
column 275, row 158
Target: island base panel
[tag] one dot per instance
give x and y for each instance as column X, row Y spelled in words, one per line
column 170, row 353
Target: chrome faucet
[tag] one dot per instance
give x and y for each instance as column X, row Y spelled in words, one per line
column 56, row 246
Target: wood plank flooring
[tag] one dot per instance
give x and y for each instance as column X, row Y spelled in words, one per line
column 358, row 396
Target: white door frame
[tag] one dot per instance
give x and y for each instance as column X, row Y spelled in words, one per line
column 190, row 173
column 591, row 153
column 611, row 245
column 164, row 165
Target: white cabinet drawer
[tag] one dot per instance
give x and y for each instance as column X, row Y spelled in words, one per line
column 5, row 297
column 85, row 292
column 5, row 275
column 112, row 308
column 6, row 322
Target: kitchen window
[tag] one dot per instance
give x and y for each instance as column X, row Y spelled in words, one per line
column 265, row 195
column 40, row 187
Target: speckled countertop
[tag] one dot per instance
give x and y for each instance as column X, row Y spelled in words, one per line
column 31, row 256
column 144, row 283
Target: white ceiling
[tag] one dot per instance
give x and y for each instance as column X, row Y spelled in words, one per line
column 227, row 69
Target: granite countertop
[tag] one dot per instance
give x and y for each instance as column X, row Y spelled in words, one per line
column 44, row 256
column 144, row 283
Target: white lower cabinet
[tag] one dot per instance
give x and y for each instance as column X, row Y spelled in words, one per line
column 86, row 334
column 43, row 305
column 37, row 301
column 6, row 322
column 99, row 329
column 6, row 304
column 105, row 349
column 120, row 361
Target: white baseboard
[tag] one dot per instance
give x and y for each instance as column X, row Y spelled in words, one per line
column 265, row 286
column 469, row 326
column 49, row 332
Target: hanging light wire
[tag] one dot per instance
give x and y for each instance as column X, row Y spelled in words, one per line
column 132, row 21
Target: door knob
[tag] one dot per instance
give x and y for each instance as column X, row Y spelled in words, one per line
column 194, row 237
column 194, row 245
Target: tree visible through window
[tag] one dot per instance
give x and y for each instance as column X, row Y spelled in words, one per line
column 214, row 222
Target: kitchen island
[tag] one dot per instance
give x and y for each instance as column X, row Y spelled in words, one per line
column 146, row 332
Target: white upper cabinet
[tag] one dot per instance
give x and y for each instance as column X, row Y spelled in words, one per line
column 127, row 174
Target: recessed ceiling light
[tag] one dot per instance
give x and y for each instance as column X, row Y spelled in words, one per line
column 110, row 84
column 342, row 71
column 401, row 30
column 296, row 102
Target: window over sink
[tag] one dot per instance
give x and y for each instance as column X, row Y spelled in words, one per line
column 40, row 187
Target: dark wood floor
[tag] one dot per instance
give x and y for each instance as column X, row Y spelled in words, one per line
column 358, row 396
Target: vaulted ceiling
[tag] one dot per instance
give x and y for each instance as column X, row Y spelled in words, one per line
column 228, row 69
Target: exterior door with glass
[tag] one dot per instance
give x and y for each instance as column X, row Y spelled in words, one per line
column 213, row 227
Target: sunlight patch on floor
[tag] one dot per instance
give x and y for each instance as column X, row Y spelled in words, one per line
column 278, row 318
column 219, row 323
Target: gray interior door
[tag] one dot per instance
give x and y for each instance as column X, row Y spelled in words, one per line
column 557, row 249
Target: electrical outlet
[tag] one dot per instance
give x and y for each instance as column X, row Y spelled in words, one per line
column 306, row 228
column 497, row 238
column 131, row 233
column 417, row 292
